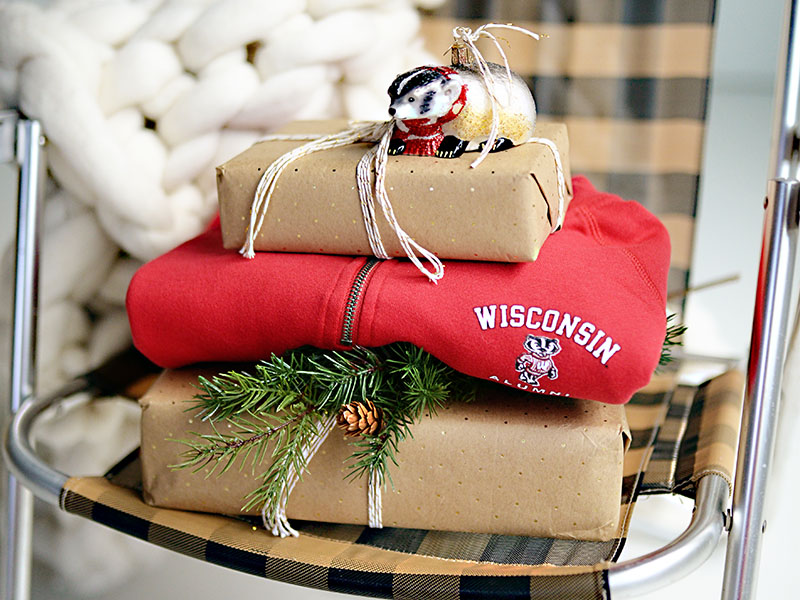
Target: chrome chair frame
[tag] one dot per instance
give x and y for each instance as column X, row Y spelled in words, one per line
column 21, row 138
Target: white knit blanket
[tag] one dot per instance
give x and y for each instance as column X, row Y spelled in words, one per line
column 139, row 101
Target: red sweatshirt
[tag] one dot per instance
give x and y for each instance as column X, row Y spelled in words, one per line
column 587, row 319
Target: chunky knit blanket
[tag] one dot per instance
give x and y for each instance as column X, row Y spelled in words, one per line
column 139, row 101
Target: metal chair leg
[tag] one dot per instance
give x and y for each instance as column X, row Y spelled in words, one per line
column 28, row 151
column 771, row 325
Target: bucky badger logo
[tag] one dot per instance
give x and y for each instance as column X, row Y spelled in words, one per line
column 538, row 361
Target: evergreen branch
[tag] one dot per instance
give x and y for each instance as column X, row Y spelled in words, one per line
column 345, row 376
column 275, row 386
column 288, row 455
column 672, row 338
column 217, row 448
column 287, row 397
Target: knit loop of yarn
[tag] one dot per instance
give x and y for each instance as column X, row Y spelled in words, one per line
column 139, row 102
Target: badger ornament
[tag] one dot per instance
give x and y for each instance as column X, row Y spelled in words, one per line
column 446, row 111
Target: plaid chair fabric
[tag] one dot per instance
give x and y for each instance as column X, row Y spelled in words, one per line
column 680, row 434
column 630, row 80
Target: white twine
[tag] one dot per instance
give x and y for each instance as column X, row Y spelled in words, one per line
column 369, row 189
column 367, row 199
column 266, row 186
column 371, row 169
column 276, row 522
column 562, row 183
column 375, row 502
column 466, row 36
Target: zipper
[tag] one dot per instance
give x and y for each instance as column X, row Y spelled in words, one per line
column 354, row 299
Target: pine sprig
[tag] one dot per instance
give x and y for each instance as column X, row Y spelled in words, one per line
column 278, row 409
column 672, row 338
column 288, row 454
column 251, row 433
column 283, row 402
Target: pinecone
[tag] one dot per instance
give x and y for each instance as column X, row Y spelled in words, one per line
column 360, row 418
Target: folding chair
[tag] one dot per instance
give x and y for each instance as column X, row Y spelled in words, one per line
column 679, row 443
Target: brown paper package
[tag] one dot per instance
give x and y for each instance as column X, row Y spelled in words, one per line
column 499, row 211
column 508, row 463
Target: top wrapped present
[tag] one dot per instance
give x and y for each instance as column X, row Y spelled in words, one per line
column 502, row 211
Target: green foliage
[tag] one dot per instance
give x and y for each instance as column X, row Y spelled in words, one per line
column 276, row 410
column 673, row 338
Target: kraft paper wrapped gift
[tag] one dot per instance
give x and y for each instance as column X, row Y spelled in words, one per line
column 502, row 210
column 508, row 463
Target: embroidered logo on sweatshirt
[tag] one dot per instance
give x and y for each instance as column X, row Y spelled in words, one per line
column 569, row 327
column 538, row 362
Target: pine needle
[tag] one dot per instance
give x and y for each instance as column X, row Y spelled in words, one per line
column 672, row 338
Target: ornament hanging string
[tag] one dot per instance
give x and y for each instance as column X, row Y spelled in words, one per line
column 467, row 37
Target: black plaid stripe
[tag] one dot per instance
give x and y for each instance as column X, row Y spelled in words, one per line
column 620, row 98
column 570, row 85
column 586, row 586
column 413, row 586
column 363, row 583
column 573, row 552
column 673, row 465
column 505, row 549
column 458, row 545
column 701, row 433
column 224, row 555
column 297, row 573
column 630, row 12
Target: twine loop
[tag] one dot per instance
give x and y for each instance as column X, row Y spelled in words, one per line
column 276, row 521
column 371, row 181
column 465, row 36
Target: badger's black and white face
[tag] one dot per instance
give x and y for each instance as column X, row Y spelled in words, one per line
column 542, row 346
column 423, row 93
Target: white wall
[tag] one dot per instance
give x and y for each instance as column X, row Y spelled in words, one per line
column 727, row 239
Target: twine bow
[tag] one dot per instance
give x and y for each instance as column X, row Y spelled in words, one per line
column 370, row 190
column 371, row 169
column 467, row 37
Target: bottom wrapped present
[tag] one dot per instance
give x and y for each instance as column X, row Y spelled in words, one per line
column 508, row 463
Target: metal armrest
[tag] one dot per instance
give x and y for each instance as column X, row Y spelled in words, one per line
column 30, row 470
column 681, row 556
